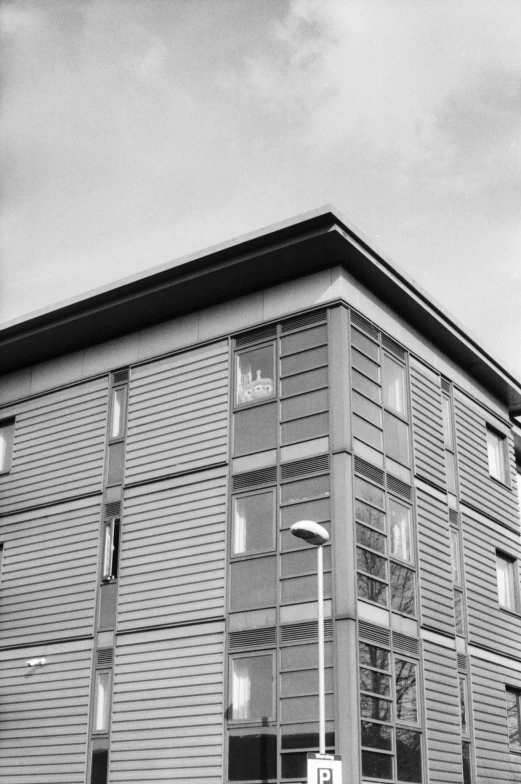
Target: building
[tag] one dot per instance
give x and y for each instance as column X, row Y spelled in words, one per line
column 159, row 437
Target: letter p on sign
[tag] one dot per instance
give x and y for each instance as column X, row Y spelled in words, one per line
column 324, row 769
column 324, row 776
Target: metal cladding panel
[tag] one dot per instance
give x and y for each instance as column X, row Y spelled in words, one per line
column 49, row 566
column 168, row 708
column 488, row 625
column 44, row 714
column 436, row 586
column 173, row 551
column 59, row 447
column 178, row 413
column 443, row 714
column 427, row 422
column 477, row 487
column 495, row 764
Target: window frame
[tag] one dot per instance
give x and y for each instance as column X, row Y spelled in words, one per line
column 111, row 549
column 501, row 441
column 270, row 343
column 121, row 387
column 98, row 673
column 517, row 695
column 259, row 721
column 506, row 558
column 7, row 425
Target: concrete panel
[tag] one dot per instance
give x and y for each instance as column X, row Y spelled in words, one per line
column 231, row 316
column 302, row 293
column 56, row 372
column 110, row 355
column 15, row 386
column 169, row 336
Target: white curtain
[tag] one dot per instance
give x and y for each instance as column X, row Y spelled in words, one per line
column 239, row 529
column 241, row 689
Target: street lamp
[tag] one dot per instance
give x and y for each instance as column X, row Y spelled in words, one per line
column 313, row 533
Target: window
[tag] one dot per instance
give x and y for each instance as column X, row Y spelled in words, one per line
column 464, row 702
column 496, row 455
column 6, row 445
column 506, row 568
column 254, row 523
column 111, row 549
column 467, row 765
column 448, row 437
column 117, row 414
column 102, row 701
column 513, row 699
column 255, row 375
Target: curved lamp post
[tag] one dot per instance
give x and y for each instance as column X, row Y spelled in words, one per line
column 313, row 533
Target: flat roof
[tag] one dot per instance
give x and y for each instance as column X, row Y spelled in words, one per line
column 299, row 246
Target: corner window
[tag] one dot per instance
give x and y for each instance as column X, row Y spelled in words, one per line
column 496, row 455
column 506, row 568
column 513, row 698
column 6, row 445
column 252, row 683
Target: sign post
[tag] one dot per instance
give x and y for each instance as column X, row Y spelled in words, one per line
column 324, row 768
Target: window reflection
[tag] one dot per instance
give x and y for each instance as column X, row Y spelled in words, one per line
column 255, row 376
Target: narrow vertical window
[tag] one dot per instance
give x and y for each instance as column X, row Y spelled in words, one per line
column 394, row 385
column 505, row 582
column 255, row 374
column 467, row 767
column 513, row 699
column 458, row 613
column 463, row 701
column 117, row 418
column 102, row 702
column 111, row 550
column 455, row 556
column 252, row 682
column 400, row 525
column 496, row 455
column 6, row 445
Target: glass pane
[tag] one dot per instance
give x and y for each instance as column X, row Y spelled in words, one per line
column 99, row 768
column 372, row 590
column 368, row 433
column 458, row 612
column 107, row 551
column 302, row 429
column 252, row 757
column 304, row 405
column 252, row 687
column 303, row 340
column 255, row 429
column 451, row 473
column 306, row 488
column 406, row 702
column 254, row 523
column 371, row 656
column 400, row 530
column 377, row 736
column 367, row 561
column 369, row 493
column 467, row 770
column 297, row 656
column 408, row 755
column 305, row 736
column 253, row 583
column 116, row 462
column 101, row 712
column 396, row 438
column 303, row 382
column 455, row 556
column 310, row 510
column 514, row 719
column 394, row 385
column 294, row 765
column 368, row 368
column 365, row 344
column 255, row 375
column 505, row 582
column 496, row 458
column 307, row 360
column 377, row 682
column 370, row 538
column 304, row 682
column 367, row 387
column 118, row 412
column 303, row 561
column 378, row 766
column 6, row 445
column 301, row 708
column 447, row 421
column 369, row 515
column 375, row 708
column 402, row 589
column 463, row 704
column 303, row 589
column 364, row 407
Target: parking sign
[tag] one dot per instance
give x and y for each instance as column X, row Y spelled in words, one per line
column 324, row 769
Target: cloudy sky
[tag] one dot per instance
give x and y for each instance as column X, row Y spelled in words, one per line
column 136, row 131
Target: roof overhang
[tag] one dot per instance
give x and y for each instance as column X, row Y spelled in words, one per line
column 297, row 247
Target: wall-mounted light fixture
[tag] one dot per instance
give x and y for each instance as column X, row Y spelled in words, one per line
column 36, row 662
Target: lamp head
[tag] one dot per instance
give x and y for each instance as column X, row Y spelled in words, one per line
column 311, row 532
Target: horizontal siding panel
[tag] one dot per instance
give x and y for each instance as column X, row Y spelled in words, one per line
column 49, row 591
column 427, row 426
column 178, row 413
column 173, row 551
column 477, row 488
column 436, row 587
column 59, row 447
column 442, row 714
column 43, row 725
column 488, row 624
column 173, row 728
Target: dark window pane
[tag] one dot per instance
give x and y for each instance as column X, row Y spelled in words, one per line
column 367, row 514
column 366, row 409
column 408, row 756
column 396, row 438
column 514, row 718
column 302, row 429
column 304, row 382
column 294, row 765
column 299, row 341
column 369, row 493
column 368, row 433
column 254, row 523
column 304, row 405
column 116, row 462
column 377, row 736
column 375, row 708
column 252, row 757
column 251, row 688
column 292, row 564
column 304, row 736
column 255, row 375
column 402, row 589
column 463, row 704
column 365, row 344
column 255, row 429
column 458, row 612
column 370, row 538
column 307, row 488
column 372, row 590
column 377, row 682
column 394, row 385
column 307, row 360
column 372, row 656
column 360, row 362
column 406, row 703
column 369, row 562
column 367, row 387
column 253, row 583
column 467, row 768
column 303, row 589
column 377, row 765
column 99, row 768
column 310, row 510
